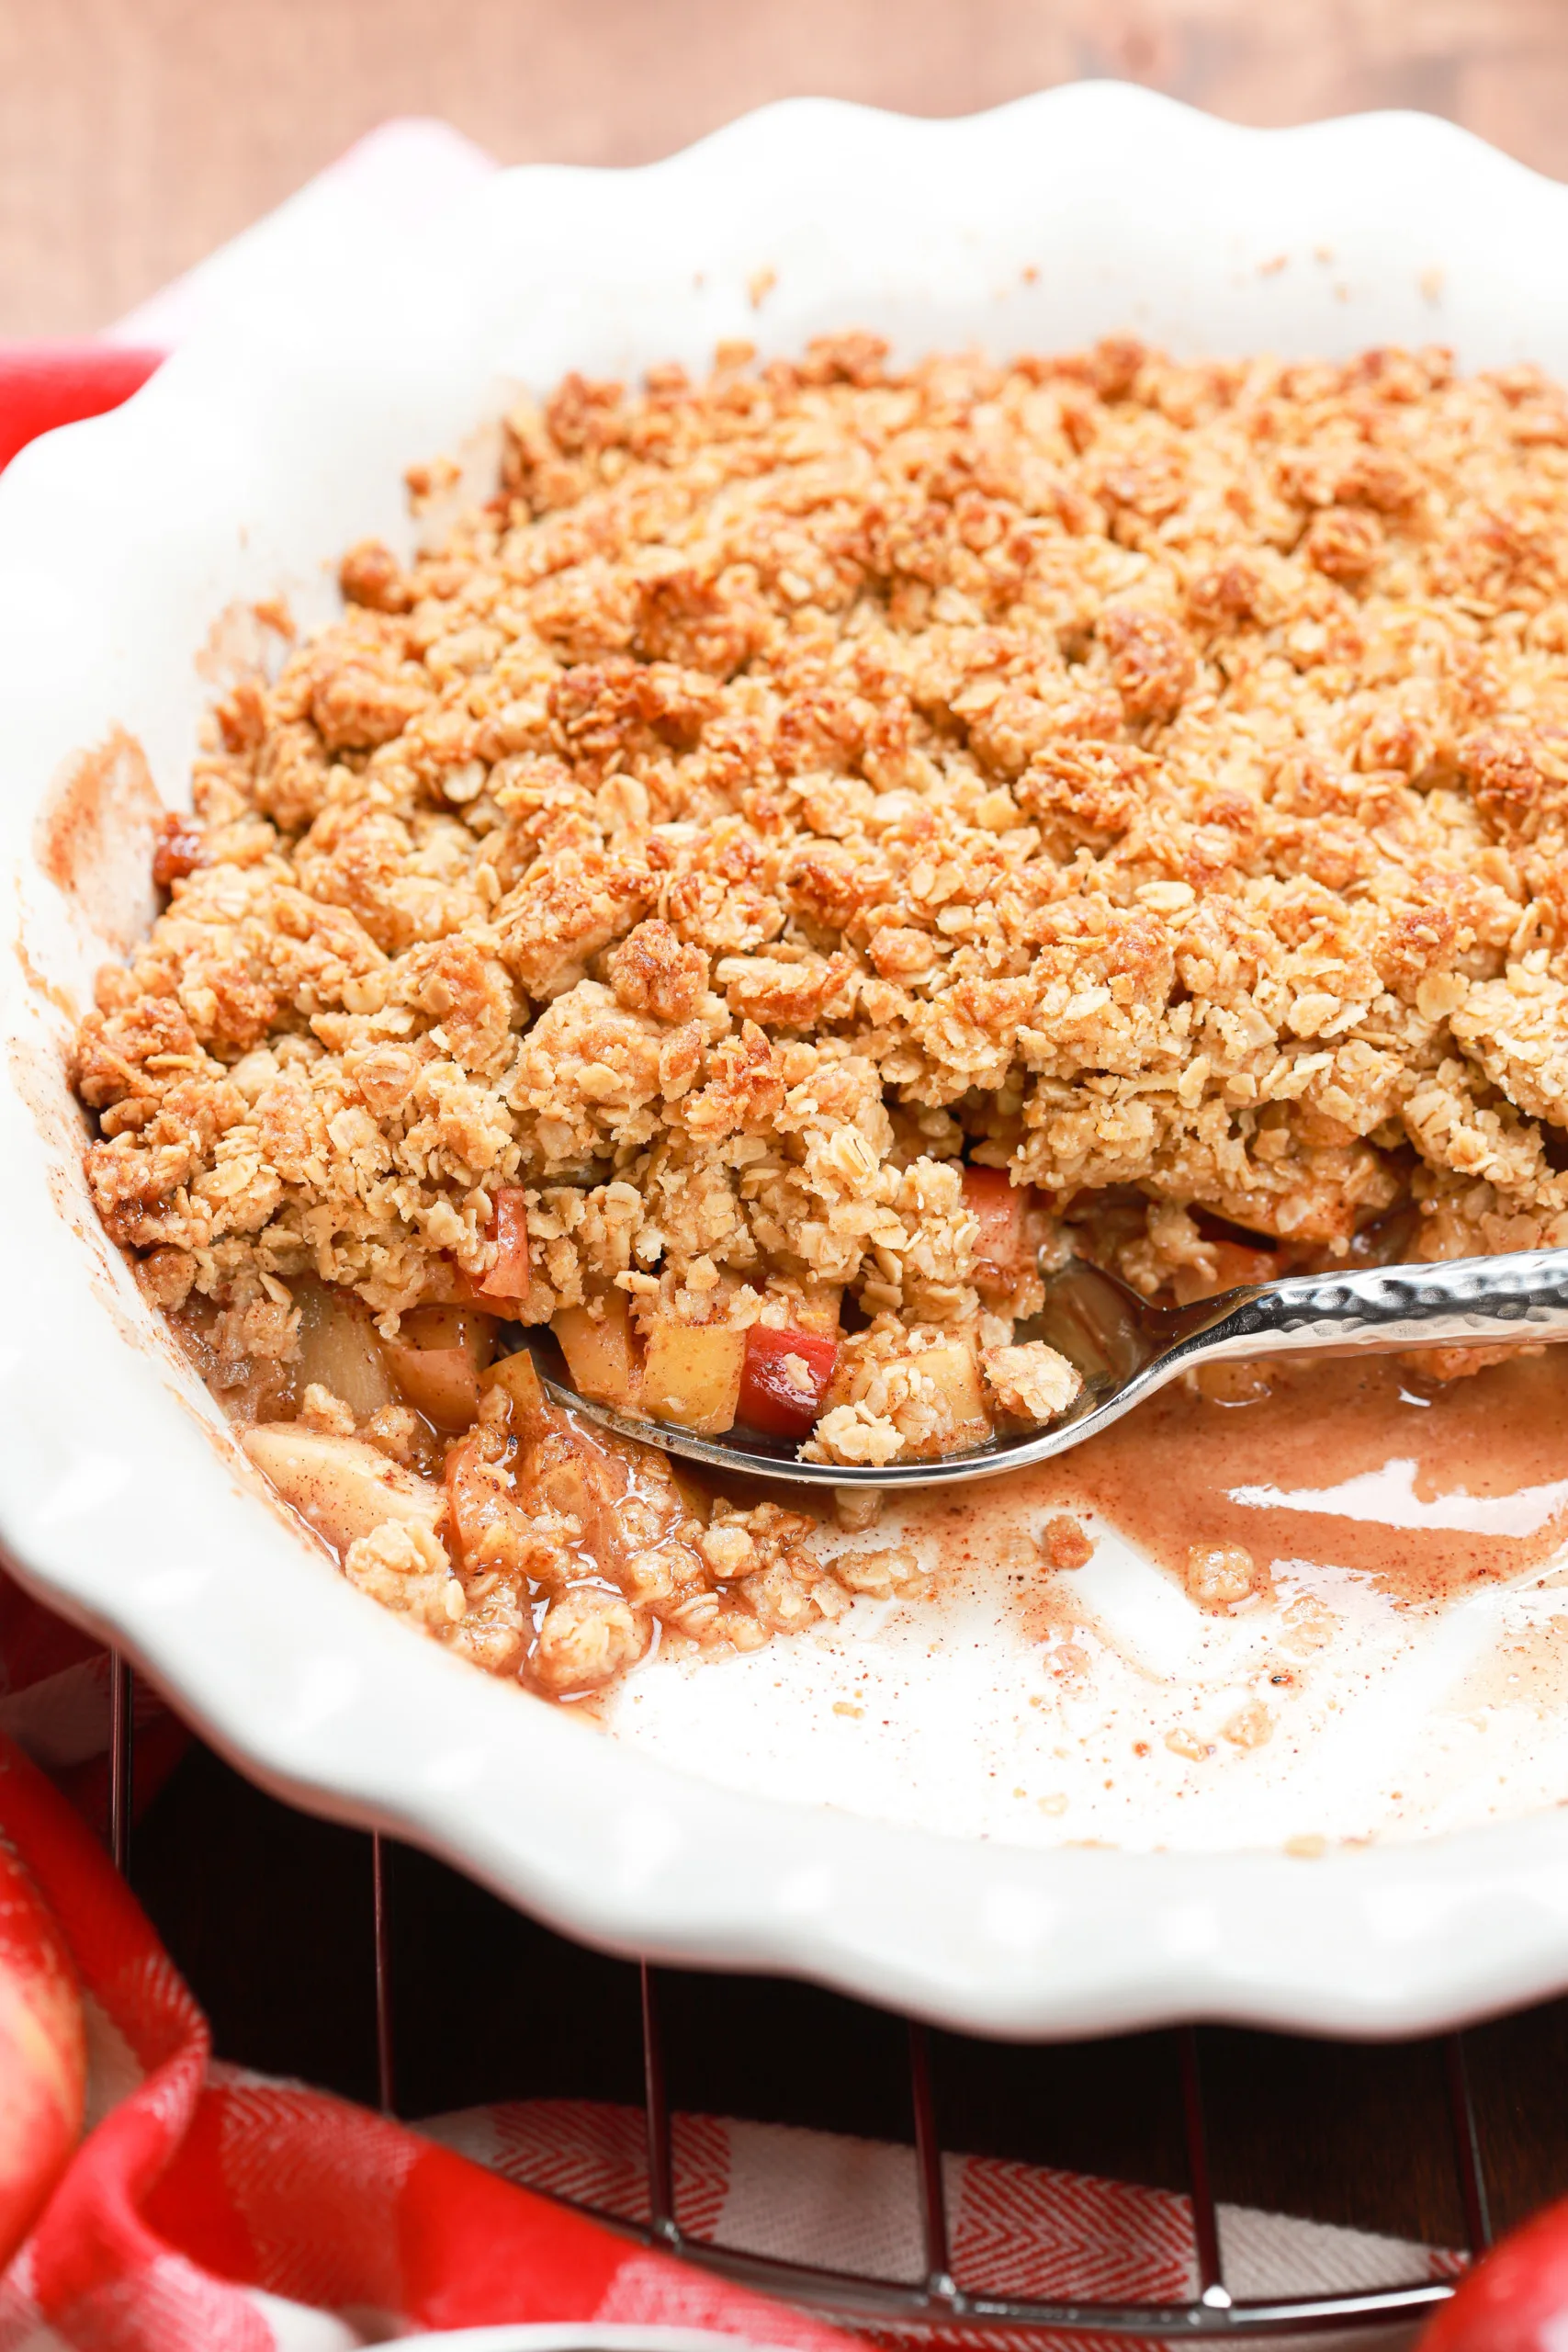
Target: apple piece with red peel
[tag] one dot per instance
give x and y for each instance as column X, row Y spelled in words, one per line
column 43, row 2054
column 1010, row 1221
column 783, row 1379
column 508, row 1276
column 1515, row 2299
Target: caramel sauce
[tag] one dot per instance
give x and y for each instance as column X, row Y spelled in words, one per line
column 1346, row 1462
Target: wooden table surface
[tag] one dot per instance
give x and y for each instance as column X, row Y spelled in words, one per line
column 136, row 134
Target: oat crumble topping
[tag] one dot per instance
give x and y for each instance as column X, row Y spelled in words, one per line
column 814, row 841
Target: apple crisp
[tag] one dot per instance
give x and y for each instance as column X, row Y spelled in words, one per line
column 817, row 846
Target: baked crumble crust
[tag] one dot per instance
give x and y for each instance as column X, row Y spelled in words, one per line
column 1148, row 778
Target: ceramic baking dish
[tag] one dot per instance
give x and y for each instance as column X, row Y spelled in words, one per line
column 128, row 548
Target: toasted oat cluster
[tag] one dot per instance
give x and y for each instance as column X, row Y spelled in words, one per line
column 818, row 841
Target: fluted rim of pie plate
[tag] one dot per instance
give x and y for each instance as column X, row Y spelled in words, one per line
column 260, row 450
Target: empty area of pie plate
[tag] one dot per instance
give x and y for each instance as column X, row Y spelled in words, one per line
column 1335, row 1613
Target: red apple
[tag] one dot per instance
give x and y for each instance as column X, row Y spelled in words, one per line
column 1514, row 2300
column 43, row 2054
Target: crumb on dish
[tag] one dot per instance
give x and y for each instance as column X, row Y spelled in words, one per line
column 1064, row 1542
column 818, row 846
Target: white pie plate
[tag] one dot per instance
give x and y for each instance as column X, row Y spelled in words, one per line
column 278, row 435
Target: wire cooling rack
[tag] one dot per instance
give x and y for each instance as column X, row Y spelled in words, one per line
column 935, row 2301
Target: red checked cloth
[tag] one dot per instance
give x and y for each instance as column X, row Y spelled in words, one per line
column 209, row 2210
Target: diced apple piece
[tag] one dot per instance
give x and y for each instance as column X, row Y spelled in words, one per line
column 518, row 1375
column 901, row 1396
column 436, row 1359
column 1234, row 1263
column 487, row 1520
column 508, row 1276
column 601, row 1352
column 340, row 1348
column 344, row 1486
column 691, row 1374
column 1011, row 1222
column 953, row 1370
column 498, row 1488
column 569, row 1467
column 783, row 1379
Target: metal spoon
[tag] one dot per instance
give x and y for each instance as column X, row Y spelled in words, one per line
column 1126, row 1349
